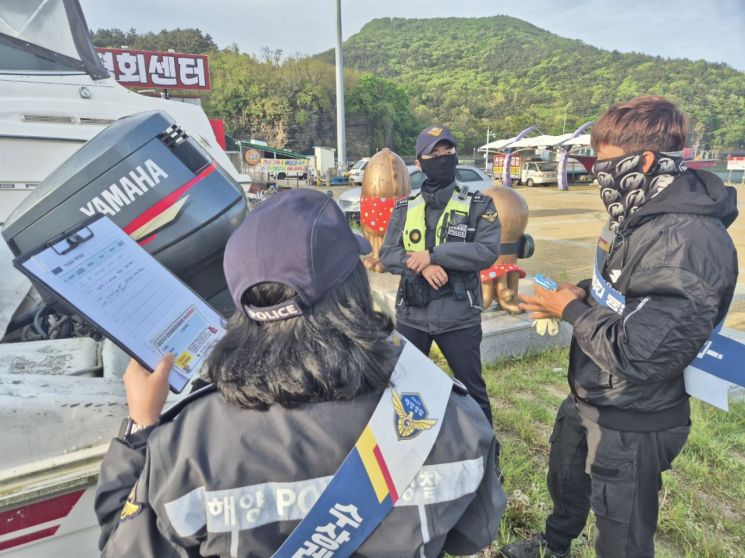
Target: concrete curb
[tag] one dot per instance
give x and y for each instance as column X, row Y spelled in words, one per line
column 505, row 335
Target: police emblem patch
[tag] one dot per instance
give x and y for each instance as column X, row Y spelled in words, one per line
column 410, row 417
column 437, row 132
column 131, row 508
column 490, row 216
column 415, row 236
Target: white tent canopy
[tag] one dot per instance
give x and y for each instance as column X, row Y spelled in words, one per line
column 579, row 141
column 536, row 141
column 540, row 141
column 496, row 145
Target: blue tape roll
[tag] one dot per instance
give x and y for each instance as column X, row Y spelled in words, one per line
column 545, row 282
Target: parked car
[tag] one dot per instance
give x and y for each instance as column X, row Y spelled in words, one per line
column 358, row 171
column 474, row 178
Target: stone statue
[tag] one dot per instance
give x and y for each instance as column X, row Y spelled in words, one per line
column 500, row 282
column 385, row 181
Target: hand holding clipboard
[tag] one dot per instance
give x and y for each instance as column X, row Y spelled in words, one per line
column 128, row 295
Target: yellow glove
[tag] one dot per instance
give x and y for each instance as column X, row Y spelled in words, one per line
column 546, row 325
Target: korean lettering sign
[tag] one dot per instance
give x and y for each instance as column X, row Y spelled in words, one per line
column 735, row 162
column 159, row 70
column 284, row 165
column 515, row 165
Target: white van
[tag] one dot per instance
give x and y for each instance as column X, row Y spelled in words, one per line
column 358, row 171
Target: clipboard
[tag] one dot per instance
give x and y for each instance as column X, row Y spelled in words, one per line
column 117, row 286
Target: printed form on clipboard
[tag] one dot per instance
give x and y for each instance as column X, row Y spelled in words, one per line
column 127, row 294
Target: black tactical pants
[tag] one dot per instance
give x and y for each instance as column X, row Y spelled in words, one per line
column 462, row 350
column 616, row 474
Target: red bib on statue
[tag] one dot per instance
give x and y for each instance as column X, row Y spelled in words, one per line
column 375, row 213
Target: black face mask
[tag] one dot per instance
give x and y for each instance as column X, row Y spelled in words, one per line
column 440, row 171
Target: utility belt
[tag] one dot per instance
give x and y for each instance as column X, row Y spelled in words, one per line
column 414, row 290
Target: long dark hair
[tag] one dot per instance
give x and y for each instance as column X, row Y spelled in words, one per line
column 339, row 348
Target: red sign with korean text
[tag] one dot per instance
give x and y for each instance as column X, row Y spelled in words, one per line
column 515, row 165
column 735, row 162
column 157, row 70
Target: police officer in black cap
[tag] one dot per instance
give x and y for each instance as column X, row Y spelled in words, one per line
column 233, row 469
column 438, row 240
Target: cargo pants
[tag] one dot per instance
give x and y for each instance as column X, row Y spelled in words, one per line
column 616, row 474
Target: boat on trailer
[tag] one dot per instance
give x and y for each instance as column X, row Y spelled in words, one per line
column 61, row 394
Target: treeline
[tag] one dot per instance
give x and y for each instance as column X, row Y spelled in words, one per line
column 180, row 40
column 498, row 72
column 288, row 101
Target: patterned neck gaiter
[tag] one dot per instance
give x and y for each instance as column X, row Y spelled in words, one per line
column 624, row 187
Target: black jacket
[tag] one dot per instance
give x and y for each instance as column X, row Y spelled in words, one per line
column 677, row 266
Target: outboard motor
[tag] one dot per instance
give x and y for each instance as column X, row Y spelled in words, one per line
column 157, row 184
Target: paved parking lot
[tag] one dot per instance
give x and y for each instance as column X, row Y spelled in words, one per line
column 566, row 226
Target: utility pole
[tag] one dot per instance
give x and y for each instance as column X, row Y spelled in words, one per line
column 564, row 127
column 341, row 135
column 486, row 155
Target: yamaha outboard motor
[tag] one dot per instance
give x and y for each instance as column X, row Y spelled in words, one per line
column 155, row 182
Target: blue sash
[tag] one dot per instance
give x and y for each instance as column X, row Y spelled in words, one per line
column 721, row 356
column 386, row 458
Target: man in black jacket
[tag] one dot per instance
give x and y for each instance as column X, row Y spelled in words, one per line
column 665, row 275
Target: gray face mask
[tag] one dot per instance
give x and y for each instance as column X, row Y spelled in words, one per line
column 625, row 187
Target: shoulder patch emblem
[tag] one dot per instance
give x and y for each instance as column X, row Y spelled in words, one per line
column 131, row 508
column 477, row 197
column 410, row 417
column 490, row 216
column 403, row 202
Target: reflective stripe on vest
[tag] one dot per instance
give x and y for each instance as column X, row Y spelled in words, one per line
column 415, row 228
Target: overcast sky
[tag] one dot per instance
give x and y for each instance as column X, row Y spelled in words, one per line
column 713, row 30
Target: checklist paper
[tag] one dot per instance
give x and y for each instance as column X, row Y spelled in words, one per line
column 127, row 294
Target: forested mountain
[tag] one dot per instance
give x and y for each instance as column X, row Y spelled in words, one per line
column 507, row 74
column 470, row 73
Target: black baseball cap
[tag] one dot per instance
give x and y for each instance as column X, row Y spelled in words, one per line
column 430, row 137
column 299, row 238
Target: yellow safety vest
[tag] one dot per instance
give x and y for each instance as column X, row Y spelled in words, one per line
column 416, row 225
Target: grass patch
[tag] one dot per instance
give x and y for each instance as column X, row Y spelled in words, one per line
column 702, row 503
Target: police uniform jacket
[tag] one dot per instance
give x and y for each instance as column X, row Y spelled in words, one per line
column 217, row 480
column 446, row 313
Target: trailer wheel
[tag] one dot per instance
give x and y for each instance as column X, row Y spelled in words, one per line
column 281, row 176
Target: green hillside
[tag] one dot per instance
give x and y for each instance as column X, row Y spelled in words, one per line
column 507, row 74
column 402, row 74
